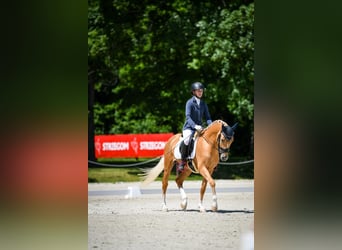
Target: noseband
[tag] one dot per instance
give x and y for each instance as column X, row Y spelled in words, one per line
column 228, row 133
column 220, row 149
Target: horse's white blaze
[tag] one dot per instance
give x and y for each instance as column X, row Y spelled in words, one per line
column 224, row 156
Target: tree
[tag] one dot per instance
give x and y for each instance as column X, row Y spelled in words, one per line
column 144, row 55
column 224, row 53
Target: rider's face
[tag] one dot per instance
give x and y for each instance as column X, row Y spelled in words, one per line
column 198, row 92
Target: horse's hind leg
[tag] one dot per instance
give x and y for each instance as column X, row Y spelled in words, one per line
column 165, row 184
column 167, row 170
column 179, row 180
column 203, row 188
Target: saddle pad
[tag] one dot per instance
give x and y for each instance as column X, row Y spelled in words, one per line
column 177, row 154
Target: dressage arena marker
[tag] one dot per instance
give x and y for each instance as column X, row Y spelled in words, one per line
column 133, row 192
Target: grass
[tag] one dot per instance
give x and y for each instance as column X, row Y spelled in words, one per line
column 116, row 174
column 113, row 175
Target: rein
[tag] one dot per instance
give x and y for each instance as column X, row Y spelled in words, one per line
column 218, row 148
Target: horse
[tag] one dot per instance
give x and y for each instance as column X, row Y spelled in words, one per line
column 213, row 144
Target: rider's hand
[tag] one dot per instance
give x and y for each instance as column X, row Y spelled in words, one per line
column 198, row 128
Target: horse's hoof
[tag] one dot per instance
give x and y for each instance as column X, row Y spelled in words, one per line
column 164, row 208
column 184, row 204
column 202, row 209
column 214, row 204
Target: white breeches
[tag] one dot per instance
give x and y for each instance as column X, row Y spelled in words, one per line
column 186, row 136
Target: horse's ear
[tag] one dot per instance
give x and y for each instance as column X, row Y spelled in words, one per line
column 234, row 126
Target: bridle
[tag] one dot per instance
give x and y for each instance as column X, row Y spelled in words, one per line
column 219, row 148
column 228, row 138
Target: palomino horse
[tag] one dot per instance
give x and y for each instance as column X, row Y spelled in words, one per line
column 213, row 143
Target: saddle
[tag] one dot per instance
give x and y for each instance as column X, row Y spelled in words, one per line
column 192, row 147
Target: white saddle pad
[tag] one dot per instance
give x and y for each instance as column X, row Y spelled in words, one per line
column 177, row 153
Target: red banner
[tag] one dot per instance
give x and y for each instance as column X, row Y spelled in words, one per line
column 130, row 145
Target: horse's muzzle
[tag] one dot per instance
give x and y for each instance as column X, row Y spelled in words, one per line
column 224, row 156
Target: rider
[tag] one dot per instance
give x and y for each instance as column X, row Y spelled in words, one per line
column 195, row 110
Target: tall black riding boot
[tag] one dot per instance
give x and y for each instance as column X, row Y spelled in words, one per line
column 184, row 154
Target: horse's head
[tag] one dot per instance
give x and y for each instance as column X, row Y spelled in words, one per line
column 225, row 139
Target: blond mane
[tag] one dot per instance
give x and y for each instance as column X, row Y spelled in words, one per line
column 215, row 122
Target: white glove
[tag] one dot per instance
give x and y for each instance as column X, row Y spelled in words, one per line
column 198, row 127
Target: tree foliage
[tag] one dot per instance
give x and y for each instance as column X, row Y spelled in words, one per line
column 144, row 55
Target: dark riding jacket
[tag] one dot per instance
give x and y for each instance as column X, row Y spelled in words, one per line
column 194, row 113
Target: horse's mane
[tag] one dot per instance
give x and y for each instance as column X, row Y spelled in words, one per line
column 216, row 121
column 212, row 124
column 220, row 121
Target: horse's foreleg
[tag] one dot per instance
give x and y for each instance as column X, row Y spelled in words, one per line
column 184, row 202
column 179, row 180
column 203, row 188
column 205, row 173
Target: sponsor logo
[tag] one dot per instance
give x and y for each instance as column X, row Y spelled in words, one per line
column 152, row 145
column 115, row 146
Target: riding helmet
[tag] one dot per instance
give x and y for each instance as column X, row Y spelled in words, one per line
column 196, row 85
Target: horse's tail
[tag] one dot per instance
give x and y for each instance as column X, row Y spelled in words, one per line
column 152, row 173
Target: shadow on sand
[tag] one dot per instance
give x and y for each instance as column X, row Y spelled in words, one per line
column 210, row 211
